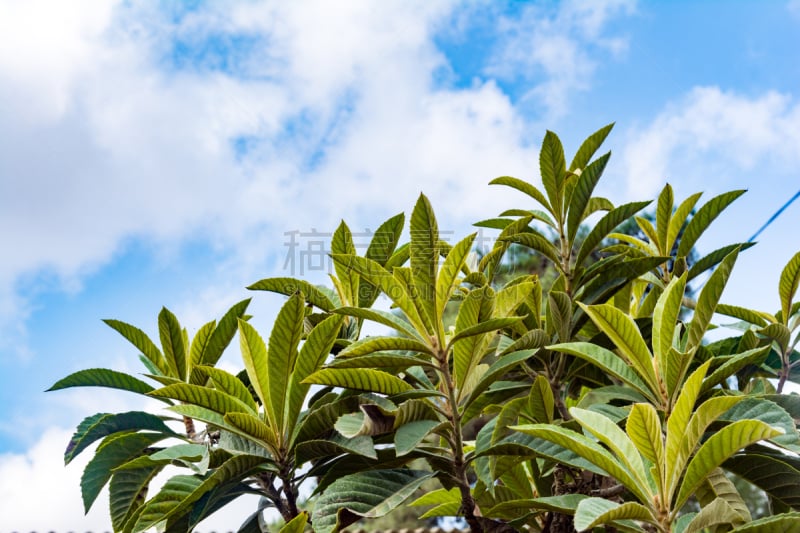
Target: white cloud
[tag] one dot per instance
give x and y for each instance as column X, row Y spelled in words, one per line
column 559, row 52
column 38, row 493
column 710, row 133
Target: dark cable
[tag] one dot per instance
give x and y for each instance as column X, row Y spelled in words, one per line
column 773, row 217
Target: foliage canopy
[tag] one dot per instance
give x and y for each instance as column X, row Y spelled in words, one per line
column 593, row 401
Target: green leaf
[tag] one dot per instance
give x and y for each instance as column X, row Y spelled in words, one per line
column 381, row 317
column 487, row 326
column 223, row 334
column 703, row 218
column 213, row 399
column 180, row 492
column 254, row 355
column 782, row 523
column 102, row 377
column 665, row 317
column 718, row 512
column 525, row 187
column 381, row 360
column 707, row 301
column 679, row 219
column 424, row 256
column 541, row 402
column 112, row 452
column 563, row 504
column 607, row 432
column 608, row 361
column 593, row 512
column 101, row 425
column 315, row 350
column 390, row 285
column 370, row 494
column 553, row 168
column 644, row 429
column 169, row 330
column 718, row 486
column 251, row 426
column 606, row 225
column 663, row 214
column 748, row 315
column 751, row 408
column 588, row 450
column 477, row 307
column 199, row 343
column 589, row 147
column 342, row 243
column 289, row 286
column 296, row 524
column 536, row 241
column 624, row 333
column 185, row 453
column 369, row 345
column 438, row 497
column 229, row 384
column 734, row 364
column 282, row 356
column 127, row 493
column 790, row 277
column 583, row 191
column 408, row 436
column 447, row 281
column 359, row 379
column 720, row 446
column 712, row 259
column 774, row 472
column 333, row 446
column 140, row 339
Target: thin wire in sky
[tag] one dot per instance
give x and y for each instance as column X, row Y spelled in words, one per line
column 774, row 216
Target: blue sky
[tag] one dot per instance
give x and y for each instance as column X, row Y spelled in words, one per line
column 159, row 154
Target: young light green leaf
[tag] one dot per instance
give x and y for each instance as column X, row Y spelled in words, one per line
column 381, row 317
column 665, row 317
column 447, row 280
column 588, row 450
column 199, row 343
column 229, row 384
column 679, row 219
column 553, row 168
column 589, row 147
column 644, row 429
column 593, row 512
column 359, row 379
column 169, row 329
column 282, row 355
column 213, row 399
column 223, row 334
column 606, row 225
column 424, row 258
column 369, row 345
column 296, row 524
column 607, row 432
column 703, row 218
column 607, row 361
column 289, row 286
column 708, row 300
column 584, row 187
column 790, row 277
column 254, row 356
column 719, row 447
column 140, row 339
column 525, row 187
column 624, row 333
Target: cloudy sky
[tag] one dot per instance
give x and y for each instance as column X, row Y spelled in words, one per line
column 166, row 153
